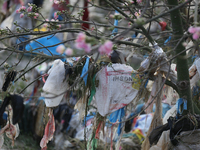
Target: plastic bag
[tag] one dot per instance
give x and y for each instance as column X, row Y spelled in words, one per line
column 114, row 89
column 55, row 85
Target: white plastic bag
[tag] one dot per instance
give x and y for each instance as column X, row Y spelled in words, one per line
column 114, row 89
column 55, row 85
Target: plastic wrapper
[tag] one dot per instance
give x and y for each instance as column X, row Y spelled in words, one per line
column 137, row 80
column 55, row 85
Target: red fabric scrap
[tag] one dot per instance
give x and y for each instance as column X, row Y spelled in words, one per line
column 85, row 26
column 163, row 25
column 97, row 131
column 49, row 130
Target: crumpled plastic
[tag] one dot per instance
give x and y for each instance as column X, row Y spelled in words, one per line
column 158, row 58
column 55, row 85
column 114, row 89
column 137, row 80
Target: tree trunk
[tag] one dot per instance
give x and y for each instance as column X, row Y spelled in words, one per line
column 183, row 81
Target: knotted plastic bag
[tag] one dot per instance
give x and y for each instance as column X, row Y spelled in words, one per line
column 114, row 89
column 55, row 85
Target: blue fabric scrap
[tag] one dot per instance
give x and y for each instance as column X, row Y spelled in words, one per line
column 115, row 24
column 85, row 69
column 169, row 38
column 118, row 115
column 179, row 103
column 89, row 116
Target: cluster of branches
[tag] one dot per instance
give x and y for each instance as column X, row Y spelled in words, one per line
column 139, row 15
